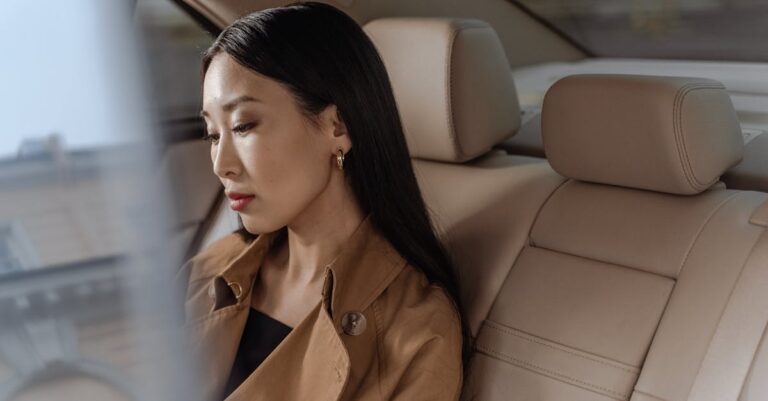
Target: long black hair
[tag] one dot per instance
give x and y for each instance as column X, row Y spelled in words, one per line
column 323, row 57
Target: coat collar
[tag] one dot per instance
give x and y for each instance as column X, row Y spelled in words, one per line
column 366, row 266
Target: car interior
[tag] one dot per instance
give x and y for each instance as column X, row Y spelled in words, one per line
column 608, row 217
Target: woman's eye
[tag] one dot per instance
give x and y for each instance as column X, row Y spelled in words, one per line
column 213, row 138
column 243, row 127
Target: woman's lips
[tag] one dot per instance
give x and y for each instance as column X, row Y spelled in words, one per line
column 238, row 201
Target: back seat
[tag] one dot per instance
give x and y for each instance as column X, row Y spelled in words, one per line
column 454, row 109
column 630, row 272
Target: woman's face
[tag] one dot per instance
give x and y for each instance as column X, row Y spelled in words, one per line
column 262, row 144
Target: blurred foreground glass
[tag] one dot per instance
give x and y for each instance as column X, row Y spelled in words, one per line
column 88, row 310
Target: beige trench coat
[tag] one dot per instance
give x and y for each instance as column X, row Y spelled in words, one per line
column 406, row 344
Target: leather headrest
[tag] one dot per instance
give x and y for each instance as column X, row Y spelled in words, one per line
column 673, row 135
column 452, row 84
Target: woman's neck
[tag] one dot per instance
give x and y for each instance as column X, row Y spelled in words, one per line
column 319, row 233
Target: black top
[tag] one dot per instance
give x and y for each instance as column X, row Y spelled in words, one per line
column 261, row 335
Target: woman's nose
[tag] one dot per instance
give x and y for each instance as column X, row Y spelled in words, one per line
column 226, row 162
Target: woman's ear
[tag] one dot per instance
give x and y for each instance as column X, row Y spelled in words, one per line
column 336, row 129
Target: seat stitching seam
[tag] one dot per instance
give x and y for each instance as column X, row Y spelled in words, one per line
column 638, row 269
column 529, row 241
column 701, row 230
column 509, row 331
column 449, row 88
column 514, row 360
column 682, row 150
column 678, row 130
column 541, row 208
column 650, row 395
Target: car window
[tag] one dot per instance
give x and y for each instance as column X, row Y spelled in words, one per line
column 174, row 45
column 87, row 257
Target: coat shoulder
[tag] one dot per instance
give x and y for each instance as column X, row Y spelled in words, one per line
column 420, row 329
column 411, row 295
column 208, row 262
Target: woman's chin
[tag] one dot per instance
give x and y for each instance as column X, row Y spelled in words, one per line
column 258, row 224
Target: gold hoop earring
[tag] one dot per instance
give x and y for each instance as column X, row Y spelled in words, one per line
column 340, row 159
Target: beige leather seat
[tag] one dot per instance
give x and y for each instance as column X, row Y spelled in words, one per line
column 457, row 100
column 620, row 282
column 631, row 262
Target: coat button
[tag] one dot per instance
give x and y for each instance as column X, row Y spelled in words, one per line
column 212, row 290
column 353, row 323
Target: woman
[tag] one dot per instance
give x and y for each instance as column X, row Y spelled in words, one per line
column 335, row 287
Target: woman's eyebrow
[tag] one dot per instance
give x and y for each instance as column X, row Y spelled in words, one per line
column 229, row 106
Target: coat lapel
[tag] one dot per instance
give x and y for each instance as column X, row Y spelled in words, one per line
column 312, row 362
column 215, row 336
column 215, row 339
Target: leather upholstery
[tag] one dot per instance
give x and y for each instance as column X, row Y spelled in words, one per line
column 454, row 110
column 472, row 105
column 742, row 322
column 496, row 190
column 606, row 286
column 674, row 135
column 593, row 221
column 755, row 386
column 702, row 291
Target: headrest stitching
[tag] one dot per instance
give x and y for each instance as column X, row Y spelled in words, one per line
column 449, row 89
column 682, row 149
column 449, row 65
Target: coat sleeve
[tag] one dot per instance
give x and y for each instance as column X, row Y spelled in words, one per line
column 433, row 371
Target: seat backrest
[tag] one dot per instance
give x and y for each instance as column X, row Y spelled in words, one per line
column 456, row 99
column 630, row 263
